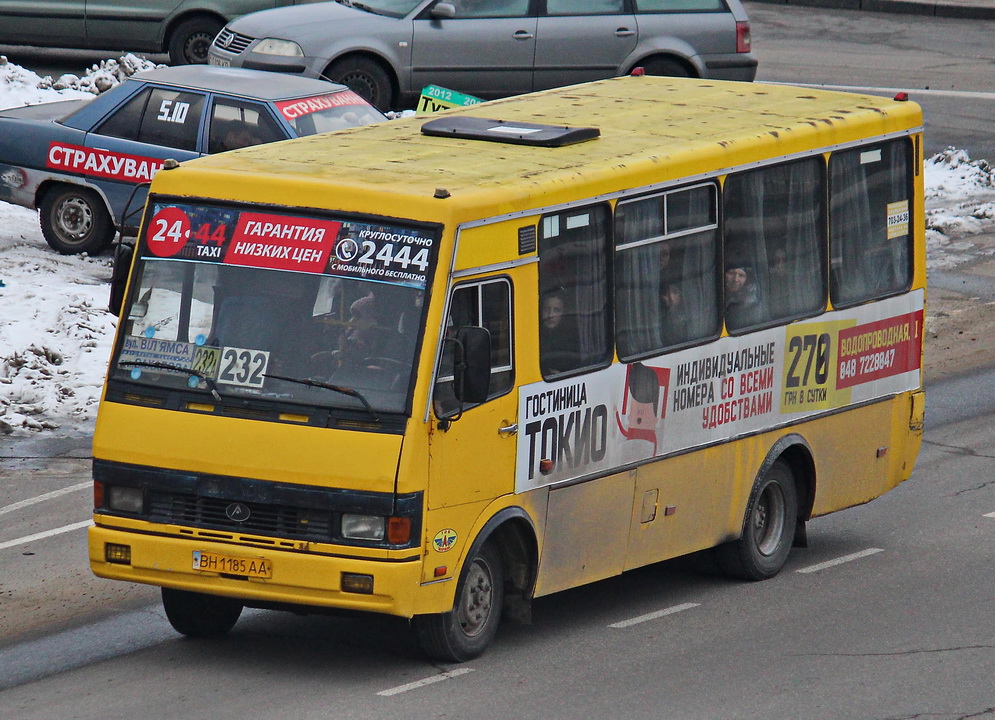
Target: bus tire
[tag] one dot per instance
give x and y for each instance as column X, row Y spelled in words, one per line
column 74, row 220
column 467, row 630
column 200, row 616
column 768, row 528
column 365, row 77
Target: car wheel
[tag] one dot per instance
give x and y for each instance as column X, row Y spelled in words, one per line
column 366, row 78
column 464, row 632
column 666, row 67
column 200, row 616
column 768, row 528
column 191, row 40
column 74, row 220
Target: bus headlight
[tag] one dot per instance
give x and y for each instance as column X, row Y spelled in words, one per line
column 362, row 527
column 284, row 48
column 125, row 499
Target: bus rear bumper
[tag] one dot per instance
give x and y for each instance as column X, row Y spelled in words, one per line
column 297, row 578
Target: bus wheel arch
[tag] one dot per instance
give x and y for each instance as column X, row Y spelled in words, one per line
column 666, row 65
column 367, row 75
column 497, row 578
column 779, row 503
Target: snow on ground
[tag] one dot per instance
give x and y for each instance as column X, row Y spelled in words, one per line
column 56, row 334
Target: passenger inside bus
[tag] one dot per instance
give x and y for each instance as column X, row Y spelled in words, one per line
column 558, row 334
column 675, row 321
column 742, row 301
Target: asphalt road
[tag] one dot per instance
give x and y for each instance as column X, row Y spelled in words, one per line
column 888, row 614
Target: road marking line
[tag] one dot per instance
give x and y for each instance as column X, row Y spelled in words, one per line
column 991, row 514
column 422, row 683
column 46, row 496
column 47, row 534
column 654, row 615
column 840, row 560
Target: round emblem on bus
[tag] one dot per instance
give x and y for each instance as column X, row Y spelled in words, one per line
column 347, row 249
column 238, row 512
column 445, row 540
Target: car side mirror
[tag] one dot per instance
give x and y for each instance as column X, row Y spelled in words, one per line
column 123, row 255
column 443, row 11
column 472, row 381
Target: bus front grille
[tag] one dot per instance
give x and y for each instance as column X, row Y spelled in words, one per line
column 263, row 519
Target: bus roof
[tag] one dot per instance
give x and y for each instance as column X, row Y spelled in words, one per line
column 652, row 128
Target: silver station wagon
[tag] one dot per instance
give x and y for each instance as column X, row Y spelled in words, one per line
column 388, row 50
column 183, row 28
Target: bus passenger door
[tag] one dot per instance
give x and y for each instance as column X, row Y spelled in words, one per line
column 473, row 446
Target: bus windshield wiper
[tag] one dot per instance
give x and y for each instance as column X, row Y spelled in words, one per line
column 329, row 386
column 176, row 368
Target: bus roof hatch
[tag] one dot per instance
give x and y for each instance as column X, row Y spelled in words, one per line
column 516, row 133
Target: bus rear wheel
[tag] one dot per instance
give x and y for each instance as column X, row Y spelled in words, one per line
column 467, row 630
column 768, row 528
column 200, row 616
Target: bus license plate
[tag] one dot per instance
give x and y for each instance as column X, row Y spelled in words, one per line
column 231, row 565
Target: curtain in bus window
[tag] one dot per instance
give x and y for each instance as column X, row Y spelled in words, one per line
column 574, row 277
column 870, row 225
column 666, row 287
column 773, row 244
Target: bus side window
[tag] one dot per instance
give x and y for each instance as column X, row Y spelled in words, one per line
column 574, row 290
column 666, row 271
column 484, row 304
column 774, row 238
column 870, row 222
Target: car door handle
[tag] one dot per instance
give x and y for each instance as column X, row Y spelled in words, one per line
column 624, row 32
column 523, row 35
column 508, row 430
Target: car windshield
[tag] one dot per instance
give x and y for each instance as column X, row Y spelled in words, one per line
column 391, row 8
column 329, row 112
column 244, row 305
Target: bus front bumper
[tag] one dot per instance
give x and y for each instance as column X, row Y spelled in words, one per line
column 296, row 577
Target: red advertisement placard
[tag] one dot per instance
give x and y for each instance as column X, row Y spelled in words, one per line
column 281, row 242
column 879, row 349
column 293, row 109
column 101, row 163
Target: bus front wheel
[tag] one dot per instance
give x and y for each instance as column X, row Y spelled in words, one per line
column 200, row 616
column 464, row 632
column 768, row 528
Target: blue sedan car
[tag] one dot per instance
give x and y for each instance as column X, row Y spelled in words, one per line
column 85, row 164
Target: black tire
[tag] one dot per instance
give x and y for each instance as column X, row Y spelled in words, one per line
column 75, row 220
column 666, row 67
column 365, row 77
column 190, row 41
column 467, row 630
column 768, row 528
column 200, row 616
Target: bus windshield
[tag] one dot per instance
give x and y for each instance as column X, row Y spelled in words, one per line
column 243, row 304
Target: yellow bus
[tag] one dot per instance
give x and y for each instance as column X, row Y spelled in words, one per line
column 438, row 367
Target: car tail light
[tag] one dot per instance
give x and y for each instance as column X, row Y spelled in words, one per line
column 743, row 43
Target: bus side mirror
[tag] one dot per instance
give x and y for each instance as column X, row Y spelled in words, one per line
column 473, row 365
column 123, row 254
